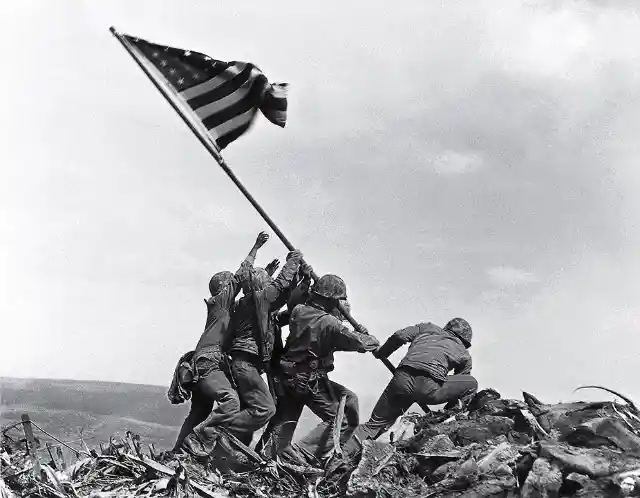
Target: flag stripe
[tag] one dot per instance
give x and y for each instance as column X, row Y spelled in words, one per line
column 212, row 84
column 228, row 126
column 224, row 89
column 223, row 97
column 250, row 101
column 227, row 139
column 218, row 105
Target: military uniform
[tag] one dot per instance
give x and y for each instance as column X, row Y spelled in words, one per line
column 421, row 376
column 251, row 347
column 212, row 383
column 314, row 336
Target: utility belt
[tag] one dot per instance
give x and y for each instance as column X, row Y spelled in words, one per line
column 418, row 372
column 311, row 365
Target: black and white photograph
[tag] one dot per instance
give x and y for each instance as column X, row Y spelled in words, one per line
column 340, row 249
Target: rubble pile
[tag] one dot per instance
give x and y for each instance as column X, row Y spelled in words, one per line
column 497, row 447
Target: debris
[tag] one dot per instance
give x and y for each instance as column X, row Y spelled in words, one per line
column 574, row 482
column 499, row 447
column 605, row 431
column 337, row 425
column 375, row 455
column 544, row 480
column 629, row 402
column 502, row 455
column 439, row 446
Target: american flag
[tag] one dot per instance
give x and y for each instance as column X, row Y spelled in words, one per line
column 224, row 96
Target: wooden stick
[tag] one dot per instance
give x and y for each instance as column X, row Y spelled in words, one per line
column 54, row 461
column 60, row 454
column 31, row 445
column 209, row 144
column 163, row 469
column 337, row 425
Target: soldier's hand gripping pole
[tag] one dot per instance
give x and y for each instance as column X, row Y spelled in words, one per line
column 206, row 140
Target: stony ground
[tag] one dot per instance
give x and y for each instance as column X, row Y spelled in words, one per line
column 498, row 448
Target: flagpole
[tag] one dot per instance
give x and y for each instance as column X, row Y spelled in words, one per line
column 211, row 147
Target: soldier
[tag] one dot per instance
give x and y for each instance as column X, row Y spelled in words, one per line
column 252, row 343
column 421, row 377
column 315, row 333
column 211, row 383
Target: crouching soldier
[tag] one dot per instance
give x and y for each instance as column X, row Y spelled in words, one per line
column 252, row 344
column 421, row 377
column 315, row 333
column 211, row 382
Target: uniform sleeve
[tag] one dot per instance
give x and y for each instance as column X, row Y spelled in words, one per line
column 398, row 339
column 464, row 366
column 347, row 340
column 282, row 282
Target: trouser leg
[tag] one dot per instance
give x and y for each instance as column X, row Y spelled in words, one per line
column 462, row 387
column 257, row 405
column 200, row 407
column 281, row 427
column 397, row 397
column 217, row 386
column 323, row 400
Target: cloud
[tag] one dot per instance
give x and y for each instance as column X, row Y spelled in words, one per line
column 450, row 162
column 442, row 172
column 504, row 276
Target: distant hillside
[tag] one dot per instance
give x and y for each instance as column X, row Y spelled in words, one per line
column 99, row 409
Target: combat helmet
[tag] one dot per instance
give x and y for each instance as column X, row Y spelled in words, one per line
column 461, row 329
column 219, row 281
column 330, row 287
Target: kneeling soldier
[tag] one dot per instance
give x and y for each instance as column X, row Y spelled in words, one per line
column 422, row 376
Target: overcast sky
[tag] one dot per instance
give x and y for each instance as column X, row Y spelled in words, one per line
column 473, row 159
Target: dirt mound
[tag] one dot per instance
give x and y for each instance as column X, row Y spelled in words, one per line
column 499, row 448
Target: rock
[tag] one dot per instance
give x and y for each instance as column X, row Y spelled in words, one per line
column 543, row 481
column 480, row 430
column 628, row 486
column 435, row 452
column 443, row 471
column 504, row 453
column 628, row 482
column 594, row 462
column 402, row 430
column 439, row 446
column 583, row 461
column 468, row 470
column 524, row 463
column 565, row 417
column 375, row 455
column 491, row 488
column 536, row 406
column 604, row 432
column 481, row 398
column 574, row 482
column 527, row 423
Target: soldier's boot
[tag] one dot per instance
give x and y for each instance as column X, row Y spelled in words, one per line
column 297, row 456
column 339, row 465
column 208, row 437
column 194, row 447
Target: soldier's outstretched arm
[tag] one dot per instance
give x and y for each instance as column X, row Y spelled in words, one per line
column 397, row 340
column 285, row 278
column 242, row 274
column 349, row 340
column 261, row 240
